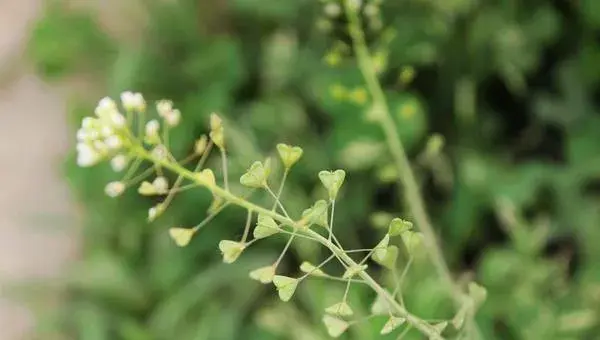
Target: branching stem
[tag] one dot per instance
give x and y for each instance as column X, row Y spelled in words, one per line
column 231, row 198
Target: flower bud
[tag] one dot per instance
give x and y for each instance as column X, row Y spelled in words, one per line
column 216, row 131
column 114, row 189
column 118, row 163
column 133, row 101
column 200, row 145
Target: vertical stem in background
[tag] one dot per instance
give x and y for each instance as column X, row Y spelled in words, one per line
column 383, row 117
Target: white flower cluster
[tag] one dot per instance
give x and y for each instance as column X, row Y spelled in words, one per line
column 100, row 136
column 106, row 136
column 166, row 111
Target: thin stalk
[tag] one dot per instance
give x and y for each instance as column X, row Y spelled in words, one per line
column 225, row 172
column 277, row 202
column 387, row 124
column 280, row 190
column 247, row 227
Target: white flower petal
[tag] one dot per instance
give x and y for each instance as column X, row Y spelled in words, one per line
column 173, row 118
column 86, row 155
column 119, row 163
column 164, row 108
column 113, row 142
column 105, row 107
column 118, row 120
column 152, row 128
column 133, row 101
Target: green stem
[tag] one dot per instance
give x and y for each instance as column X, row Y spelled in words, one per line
column 384, row 118
column 418, row 323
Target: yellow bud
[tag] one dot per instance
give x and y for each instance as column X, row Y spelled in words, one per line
column 200, row 145
column 217, row 133
column 216, row 122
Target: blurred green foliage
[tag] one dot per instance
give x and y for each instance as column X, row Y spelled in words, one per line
column 512, row 85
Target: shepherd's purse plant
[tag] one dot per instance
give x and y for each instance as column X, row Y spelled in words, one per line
column 135, row 140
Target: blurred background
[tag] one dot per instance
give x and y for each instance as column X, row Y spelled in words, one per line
column 512, row 87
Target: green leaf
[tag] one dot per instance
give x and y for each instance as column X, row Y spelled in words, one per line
column 392, row 323
column 409, row 115
column 356, row 143
column 265, row 227
column 83, row 43
column 286, row 286
column 256, row 176
column 335, row 326
column 107, row 276
column 332, row 181
column 340, row 309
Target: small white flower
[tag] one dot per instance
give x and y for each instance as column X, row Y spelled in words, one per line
column 154, row 212
column 113, row 142
column 88, row 122
column 164, row 108
column 105, row 106
column 114, row 189
column 173, row 118
column 152, row 128
column 107, row 131
column 133, row 101
column 82, row 135
column 93, row 134
column 86, row 155
column 160, row 152
column 100, row 146
column 117, row 120
column 118, row 163
column 161, row 185
column 332, row 10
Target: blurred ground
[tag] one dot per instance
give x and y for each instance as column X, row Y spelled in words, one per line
column 36, row 238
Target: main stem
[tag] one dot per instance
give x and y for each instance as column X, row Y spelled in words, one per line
column 383, row 117
column 418, row 323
